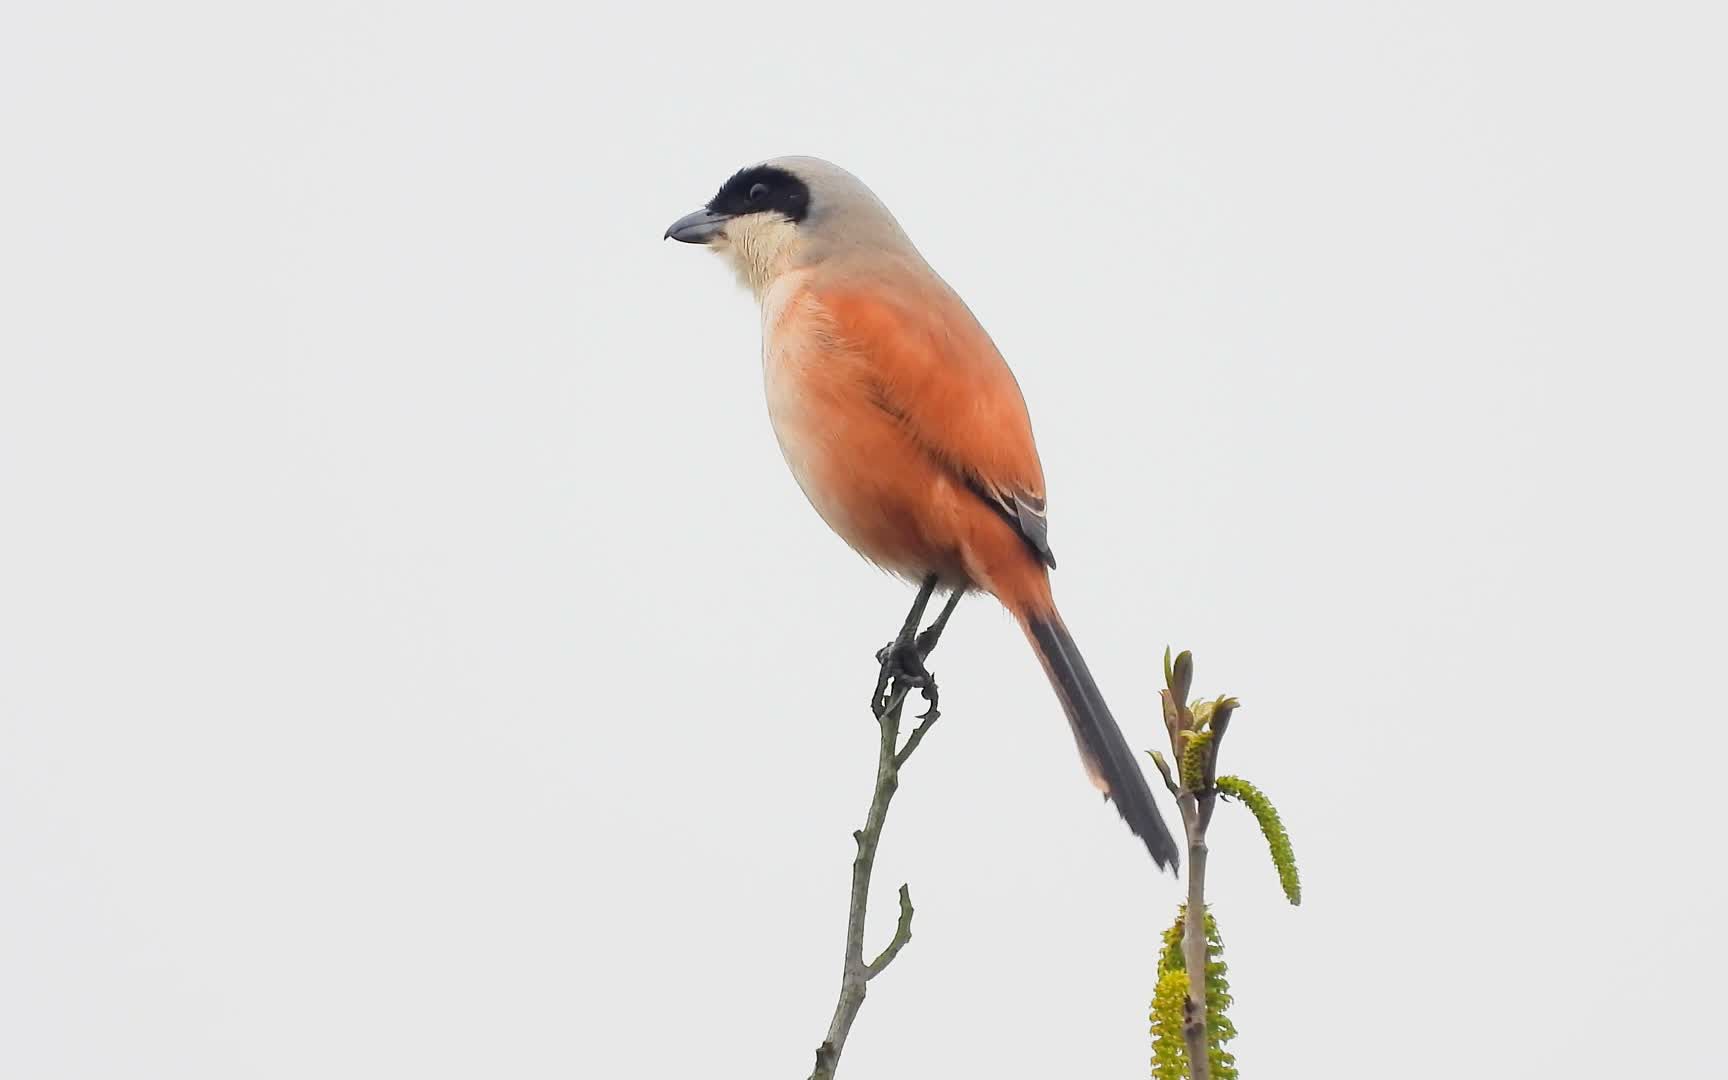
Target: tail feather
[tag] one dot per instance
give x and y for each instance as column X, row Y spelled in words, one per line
column 1114, row 767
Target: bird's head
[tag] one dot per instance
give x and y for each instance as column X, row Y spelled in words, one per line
column 787, row 213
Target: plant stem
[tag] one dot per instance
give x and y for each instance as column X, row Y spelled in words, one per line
column 891, row 756
column 1196, row 796
column 855, row 973
column 1194, row 942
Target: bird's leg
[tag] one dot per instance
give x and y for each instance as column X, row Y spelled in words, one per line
column 926, row 643
column 923, row 645
column 900, row 658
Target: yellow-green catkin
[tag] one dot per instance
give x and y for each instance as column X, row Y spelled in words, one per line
column 1194, row 760
column 1272, row 826
column 1169, row 1055
column 1167, row 1043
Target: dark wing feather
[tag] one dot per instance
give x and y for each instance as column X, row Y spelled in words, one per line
column 1022, row 510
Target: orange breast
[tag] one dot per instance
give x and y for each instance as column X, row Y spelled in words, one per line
column 856, row 464
column 874, row 476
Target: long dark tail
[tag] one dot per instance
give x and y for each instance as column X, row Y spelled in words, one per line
column 1114, row 768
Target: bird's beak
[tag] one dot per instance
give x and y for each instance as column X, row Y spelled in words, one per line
column 698, row 227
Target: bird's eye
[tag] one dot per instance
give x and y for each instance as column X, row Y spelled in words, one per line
column 758, row 192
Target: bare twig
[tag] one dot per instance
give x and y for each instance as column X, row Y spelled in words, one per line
column 1194, row 946
column 902, row 667
column 915, row 738
column 902, row 933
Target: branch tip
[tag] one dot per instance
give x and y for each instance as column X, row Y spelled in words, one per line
column 902, row 934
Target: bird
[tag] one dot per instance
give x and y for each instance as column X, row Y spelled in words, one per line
column 904, row 427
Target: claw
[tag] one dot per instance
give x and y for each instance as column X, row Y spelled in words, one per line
column 902, row 664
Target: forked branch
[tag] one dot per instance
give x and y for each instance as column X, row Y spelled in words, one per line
column 902, row 672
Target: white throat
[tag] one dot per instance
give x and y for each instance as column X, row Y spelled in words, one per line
column 760, row 247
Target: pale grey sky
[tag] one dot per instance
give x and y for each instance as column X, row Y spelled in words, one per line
column 415, row 659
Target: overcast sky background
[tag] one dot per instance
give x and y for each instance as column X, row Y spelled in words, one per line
column 415, row 659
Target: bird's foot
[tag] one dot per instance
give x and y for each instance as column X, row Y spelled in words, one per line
column 902, row 663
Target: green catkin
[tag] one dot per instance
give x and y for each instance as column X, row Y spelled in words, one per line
column 1194, row 760
column 1169, row 1059
column 1169, row 1052
column 1272, row 826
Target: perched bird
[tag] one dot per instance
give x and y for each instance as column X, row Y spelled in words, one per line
column 904, row 426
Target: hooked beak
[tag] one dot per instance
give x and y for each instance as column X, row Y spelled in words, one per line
column 698, row 227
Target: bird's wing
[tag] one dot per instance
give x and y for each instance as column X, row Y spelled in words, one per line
column 934, row 369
